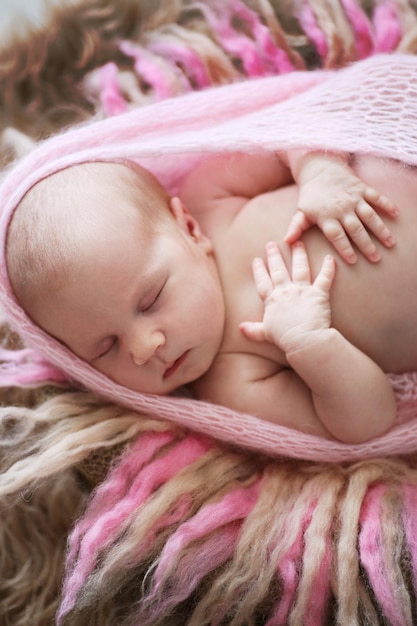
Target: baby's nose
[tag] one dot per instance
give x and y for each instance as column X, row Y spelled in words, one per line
column 144, row 348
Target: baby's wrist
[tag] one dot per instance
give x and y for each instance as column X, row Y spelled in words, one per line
column 310, row 163
column 296, row 343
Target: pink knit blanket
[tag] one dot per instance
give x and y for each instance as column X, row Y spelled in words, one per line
column 370, row 107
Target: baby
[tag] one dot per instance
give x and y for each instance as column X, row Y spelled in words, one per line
column 157, row 292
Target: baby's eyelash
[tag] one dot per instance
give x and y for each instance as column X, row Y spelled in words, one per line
column 154, row 300
column 107, row 349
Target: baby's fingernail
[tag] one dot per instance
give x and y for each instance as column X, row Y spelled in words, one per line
column 352, row 258
column 390, row 241
column 375, row 256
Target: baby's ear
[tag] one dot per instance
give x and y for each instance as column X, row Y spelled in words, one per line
column 188, row 224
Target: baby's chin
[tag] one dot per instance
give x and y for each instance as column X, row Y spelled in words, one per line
column 179, row 389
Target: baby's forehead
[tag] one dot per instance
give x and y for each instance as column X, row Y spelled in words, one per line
column 83, row 186
column 78, row 201
column 65, row 184
column 83, row 177
column 100, row 179
column 62, row 201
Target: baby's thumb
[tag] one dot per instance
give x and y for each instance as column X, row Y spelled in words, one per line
column 298, row 224
column 254, row 331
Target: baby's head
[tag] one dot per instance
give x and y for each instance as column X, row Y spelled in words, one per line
column 52, row 225
column 103, row 260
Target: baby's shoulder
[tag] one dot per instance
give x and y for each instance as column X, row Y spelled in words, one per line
column 209, row 200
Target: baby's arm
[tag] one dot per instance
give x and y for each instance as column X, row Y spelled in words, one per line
column 334, row 198
column 351, row 395
column 237, row 175
column 330, row 194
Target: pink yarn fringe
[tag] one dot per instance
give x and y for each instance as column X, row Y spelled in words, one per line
column 387, row 27
column 188, row 59
column 191, row 570
column 111, row 97
column 410, row 525
column 361, row 28
column 210, row 537
column 288, row 572
column 232, row 507
column 224, row 516
column 310, row 26
column 370, row 544
column 165, row 78
column 118, row 499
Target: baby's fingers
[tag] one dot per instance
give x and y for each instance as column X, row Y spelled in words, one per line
column 277, row 269
column 325, row 277
column 335, row 233
column 360, row 236
column 298, row 224
column 254, row 331
column 375, row 224
column 266, row 278
column 300, row 265
column 262, row 278
column 383, row 203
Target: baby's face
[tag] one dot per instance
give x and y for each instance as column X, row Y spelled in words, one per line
column 143, row 305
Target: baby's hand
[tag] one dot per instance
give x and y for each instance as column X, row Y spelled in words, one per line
column 295, row 308
column 343, row 207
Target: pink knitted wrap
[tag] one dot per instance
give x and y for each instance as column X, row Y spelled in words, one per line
column 370, row 107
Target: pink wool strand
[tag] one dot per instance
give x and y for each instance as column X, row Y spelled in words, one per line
column 234, row 506
column 190, row 570
column 315, row 585
column 387, row 27
column 361, row 27
column 112, row 101
column 211, row 536
column 288, row 571
column 320, row 588
column 24, row 368
column 309, row 25
column 409, row 492
column 186, row 58
column 371, row 547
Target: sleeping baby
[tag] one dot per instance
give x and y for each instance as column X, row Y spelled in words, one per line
column 200, row 289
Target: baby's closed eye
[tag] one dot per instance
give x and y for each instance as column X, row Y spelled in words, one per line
column 152, row 298
column 105, row 347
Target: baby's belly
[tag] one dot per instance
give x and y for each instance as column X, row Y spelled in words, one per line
column 373, row 305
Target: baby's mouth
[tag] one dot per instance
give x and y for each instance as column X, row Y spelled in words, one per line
column 171, row 369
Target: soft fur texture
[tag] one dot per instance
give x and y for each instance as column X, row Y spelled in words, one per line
column 185, row 530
